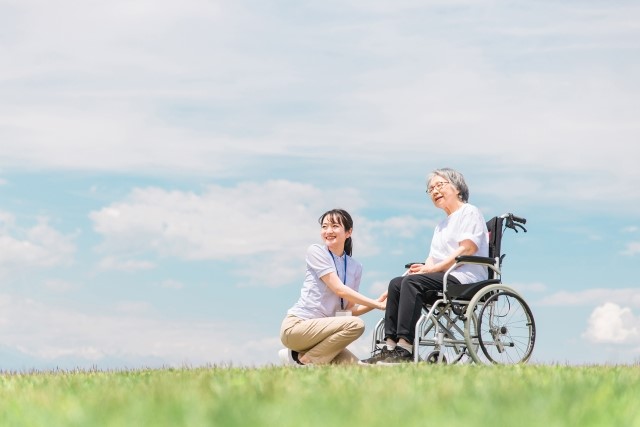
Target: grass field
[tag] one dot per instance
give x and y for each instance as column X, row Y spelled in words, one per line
column 412, row 395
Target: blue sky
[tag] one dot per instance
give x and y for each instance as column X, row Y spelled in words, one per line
column 163, row 165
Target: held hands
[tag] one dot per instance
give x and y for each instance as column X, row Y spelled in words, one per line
column 418, row 269
column 382, row 299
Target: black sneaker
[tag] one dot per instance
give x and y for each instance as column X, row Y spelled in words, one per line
column 377, row 355
column 398, row 355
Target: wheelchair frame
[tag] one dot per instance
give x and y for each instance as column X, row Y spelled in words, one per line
column 485, row 322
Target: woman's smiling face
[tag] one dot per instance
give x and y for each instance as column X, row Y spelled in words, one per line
column 333, row 234
column 444, row 195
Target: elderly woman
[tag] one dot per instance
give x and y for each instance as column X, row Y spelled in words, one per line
column 462, row 232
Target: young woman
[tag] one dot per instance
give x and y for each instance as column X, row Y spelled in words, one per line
column 319, row 327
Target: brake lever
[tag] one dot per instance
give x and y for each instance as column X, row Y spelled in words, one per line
column 514, row 225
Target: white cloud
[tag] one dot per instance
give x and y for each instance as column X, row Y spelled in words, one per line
column 378, row 287
column 133, row 68
column 633, row 248
column 113, row 263
column 102, row 139
column 276, row 219
column 219, row 223
column 134, row 308
column 150, row 93
column 535, row 287
column 131, row 334
column 405, row 226
column 61, row 286
column 272, row 270
column 39, row 246
column 7, row 221
column 172, row 284
column 592, row 297
column 611, row 323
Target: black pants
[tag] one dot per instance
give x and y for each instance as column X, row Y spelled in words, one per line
column 405, row 298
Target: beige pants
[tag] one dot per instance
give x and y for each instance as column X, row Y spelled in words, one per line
column 322, row 340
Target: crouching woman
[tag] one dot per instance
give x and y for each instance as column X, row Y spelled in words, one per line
column 323, row 322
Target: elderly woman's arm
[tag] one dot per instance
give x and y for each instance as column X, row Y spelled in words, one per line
column 467, row 247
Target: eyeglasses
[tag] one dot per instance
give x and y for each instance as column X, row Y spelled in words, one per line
column 437, row 186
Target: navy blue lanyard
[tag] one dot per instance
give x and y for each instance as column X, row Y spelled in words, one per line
column 345, row 273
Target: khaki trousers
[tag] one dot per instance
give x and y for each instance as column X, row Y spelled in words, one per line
column 322, row 340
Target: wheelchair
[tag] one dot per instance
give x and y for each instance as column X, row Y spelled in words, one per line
column 486, row 322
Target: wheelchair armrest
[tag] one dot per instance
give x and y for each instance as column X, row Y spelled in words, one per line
column 475, row 259
column 409, row 264
column 491, row 263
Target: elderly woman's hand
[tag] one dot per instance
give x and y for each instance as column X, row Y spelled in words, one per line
column 417, row 269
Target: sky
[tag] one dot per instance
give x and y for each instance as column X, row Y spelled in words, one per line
column 163, row 166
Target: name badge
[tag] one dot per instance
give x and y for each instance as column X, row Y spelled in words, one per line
column 341, row 313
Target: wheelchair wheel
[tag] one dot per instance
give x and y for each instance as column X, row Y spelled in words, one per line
column 505, row 331
column 443, row 338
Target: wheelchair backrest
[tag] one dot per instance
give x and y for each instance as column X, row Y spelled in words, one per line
column 494, row 225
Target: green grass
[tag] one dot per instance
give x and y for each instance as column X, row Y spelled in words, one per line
column 420, row 395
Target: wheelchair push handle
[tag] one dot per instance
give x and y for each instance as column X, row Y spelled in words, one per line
column 519, row 219
column 514, row 222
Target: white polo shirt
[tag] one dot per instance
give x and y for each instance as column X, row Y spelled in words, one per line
column 317, row 299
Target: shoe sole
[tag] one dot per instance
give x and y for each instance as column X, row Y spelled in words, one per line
column 394, row 363
column 361, row 363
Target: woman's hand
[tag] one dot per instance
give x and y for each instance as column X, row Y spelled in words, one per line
column 419, row 269
column 382, row 299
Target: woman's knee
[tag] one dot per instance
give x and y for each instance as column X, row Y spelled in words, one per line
column 410, row 280
column 415, row 281
column 395, row 285
column 356, row 325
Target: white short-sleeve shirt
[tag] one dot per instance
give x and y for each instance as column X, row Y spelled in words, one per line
column 317, row 299
column 467, row 223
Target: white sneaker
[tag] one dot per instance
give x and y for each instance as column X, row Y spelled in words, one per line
column 285, row 357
